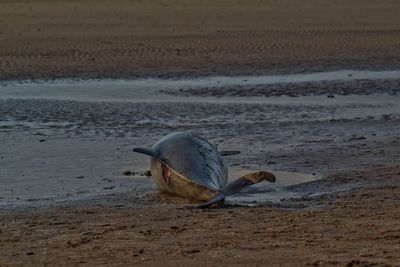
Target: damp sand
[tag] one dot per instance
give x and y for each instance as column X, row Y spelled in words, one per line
column 72, row 140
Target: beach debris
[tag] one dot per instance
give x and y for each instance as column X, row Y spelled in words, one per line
column 189, row 166
column 132, row 173
column 108, row 187
column 229, row 152
column 128, row 173
column 356, row 138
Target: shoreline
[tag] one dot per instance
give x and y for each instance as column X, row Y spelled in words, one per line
column 346, row 82
column 195, row 73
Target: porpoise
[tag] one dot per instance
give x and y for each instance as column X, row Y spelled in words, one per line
column 189, row 166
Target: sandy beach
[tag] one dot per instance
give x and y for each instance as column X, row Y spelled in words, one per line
column 100, row 39
column 309, row 90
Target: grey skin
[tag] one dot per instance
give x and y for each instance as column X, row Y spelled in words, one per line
column 188, row 165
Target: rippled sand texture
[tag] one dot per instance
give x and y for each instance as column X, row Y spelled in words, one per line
column 125, row 38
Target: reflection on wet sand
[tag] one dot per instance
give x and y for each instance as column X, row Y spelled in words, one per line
column 53, row 132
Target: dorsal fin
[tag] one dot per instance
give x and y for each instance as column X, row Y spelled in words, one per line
column 147, row 151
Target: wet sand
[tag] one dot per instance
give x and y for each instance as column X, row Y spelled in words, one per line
column 360, row 228
column 64, row 196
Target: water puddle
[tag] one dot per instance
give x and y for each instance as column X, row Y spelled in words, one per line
column 139, row 90
column 266, row 192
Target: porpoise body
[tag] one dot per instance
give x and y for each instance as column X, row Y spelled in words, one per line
column 188, row 165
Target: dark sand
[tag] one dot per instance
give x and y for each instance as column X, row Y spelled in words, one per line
column 359, row 228
column 349, row 217
column 177, row 37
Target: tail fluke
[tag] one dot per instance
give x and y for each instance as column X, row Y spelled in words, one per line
column 237, row 185
column 247, row 180
column 214, row 200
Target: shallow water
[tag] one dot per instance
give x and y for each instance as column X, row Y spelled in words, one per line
column 140, row 102
column 139, row 90
column 266, row 192
column 67, row 140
